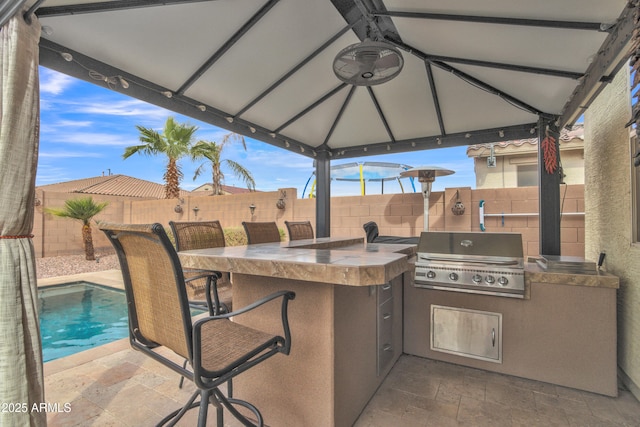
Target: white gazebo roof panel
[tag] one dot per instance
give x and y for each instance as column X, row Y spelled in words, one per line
column 314, row 126
column 359, row 122
column 408, row 106
column 287, row 34
column 530, row 46
column 467, row 108
column 300, row 90
column 150, row 42
column 545, row 93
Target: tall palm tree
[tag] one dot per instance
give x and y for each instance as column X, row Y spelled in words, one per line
column 82, row 209
column 175, row 142
column 212, row 152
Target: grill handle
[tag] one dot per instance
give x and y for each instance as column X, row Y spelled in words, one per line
column 471, row 261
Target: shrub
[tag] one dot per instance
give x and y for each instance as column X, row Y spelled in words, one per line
column 235, row 236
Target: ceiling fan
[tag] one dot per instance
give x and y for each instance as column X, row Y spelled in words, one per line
column 368, row 63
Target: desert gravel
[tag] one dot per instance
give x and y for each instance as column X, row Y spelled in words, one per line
column 75, row 264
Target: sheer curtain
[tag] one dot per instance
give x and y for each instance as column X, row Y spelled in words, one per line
column 21, row 378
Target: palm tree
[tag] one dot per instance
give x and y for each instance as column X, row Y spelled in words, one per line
column 212, row 152
column 175, row 142
column 82, row 209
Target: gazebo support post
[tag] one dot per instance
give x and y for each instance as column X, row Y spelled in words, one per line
column 323, row 195
column 549, row 190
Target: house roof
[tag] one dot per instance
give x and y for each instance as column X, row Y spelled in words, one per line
column 111, row 185
column 574, row 135
column 473, row 71
column 228, row 189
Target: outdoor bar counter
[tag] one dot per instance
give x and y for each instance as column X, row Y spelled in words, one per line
column 346, row 323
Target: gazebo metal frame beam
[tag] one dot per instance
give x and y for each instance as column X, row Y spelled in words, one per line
column 572, row 25
column 106, row 6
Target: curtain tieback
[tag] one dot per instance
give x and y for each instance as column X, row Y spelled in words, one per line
column 24, row 236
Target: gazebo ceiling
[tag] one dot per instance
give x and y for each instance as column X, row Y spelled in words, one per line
column 473, row 71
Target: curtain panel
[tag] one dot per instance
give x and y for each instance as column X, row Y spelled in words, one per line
column 21, row 371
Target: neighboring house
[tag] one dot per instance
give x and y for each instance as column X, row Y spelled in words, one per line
column 110, row 185
column 515, row 163
column 226, row 189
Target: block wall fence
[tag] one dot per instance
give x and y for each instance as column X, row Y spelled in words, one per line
column 395, row 214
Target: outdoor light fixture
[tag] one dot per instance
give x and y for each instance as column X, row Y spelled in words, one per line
column 252, row 129
column 195, row 211
column 229, row 119
column 177, row 209
column 66, row 56
column 458, row 206
column 491, row 160
column 167, row 93
column 426, row 175
column 252, row 208
column 123, row 82
column 280, row 203
column 201, row 108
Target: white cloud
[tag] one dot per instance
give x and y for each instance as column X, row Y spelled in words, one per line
column 91, row 138
column 54, row 83
column 126, row 107
column 63, row 154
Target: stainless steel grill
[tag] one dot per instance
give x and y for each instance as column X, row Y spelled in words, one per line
column 482, row 263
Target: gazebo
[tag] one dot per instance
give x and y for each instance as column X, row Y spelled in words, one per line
column 331, row 79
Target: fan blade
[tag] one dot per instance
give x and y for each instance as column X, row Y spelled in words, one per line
column 388, row 61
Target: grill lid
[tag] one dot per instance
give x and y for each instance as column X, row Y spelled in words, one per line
column 473, row 244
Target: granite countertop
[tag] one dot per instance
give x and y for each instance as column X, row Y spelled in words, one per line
column 535, row 274
column 340, row 261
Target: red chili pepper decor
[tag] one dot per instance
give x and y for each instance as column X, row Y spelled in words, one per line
column 549, row 154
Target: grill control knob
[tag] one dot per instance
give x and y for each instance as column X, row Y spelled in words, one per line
column 490, row 279
column 503, row 281
column 453, row 276
column 476, row 278
column 431, row 274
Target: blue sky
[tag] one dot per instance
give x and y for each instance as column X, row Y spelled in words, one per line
column 85, row 129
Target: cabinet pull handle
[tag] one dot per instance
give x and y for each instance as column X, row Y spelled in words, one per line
column 493, row 337
column 386, row 287
column 386, row 316
column 387, row 347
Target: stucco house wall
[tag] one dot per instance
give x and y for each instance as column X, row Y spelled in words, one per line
column 608, row 205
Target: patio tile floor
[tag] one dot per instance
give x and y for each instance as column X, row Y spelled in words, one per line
column 113, row 385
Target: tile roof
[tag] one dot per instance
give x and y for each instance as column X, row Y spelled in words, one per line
column 228, row 189
column 566, row 135
column 111, row 185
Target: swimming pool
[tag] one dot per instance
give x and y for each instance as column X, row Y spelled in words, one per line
column 79, row 316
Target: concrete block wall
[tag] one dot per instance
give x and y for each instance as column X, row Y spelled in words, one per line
column 55, row 236
column 395, row 214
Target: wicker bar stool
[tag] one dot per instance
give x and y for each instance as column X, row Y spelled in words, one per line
column 190, row 235
column 299, row 230
column 261, row 232
column 160, row 324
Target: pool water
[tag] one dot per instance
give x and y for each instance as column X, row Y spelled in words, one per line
column 79, row 316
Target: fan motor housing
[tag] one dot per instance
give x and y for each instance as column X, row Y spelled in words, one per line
column 368, row 63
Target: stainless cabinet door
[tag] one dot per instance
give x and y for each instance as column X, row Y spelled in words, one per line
column 468, row 333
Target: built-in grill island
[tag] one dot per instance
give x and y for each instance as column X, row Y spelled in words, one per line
column 472, row 300
column 481, row 263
